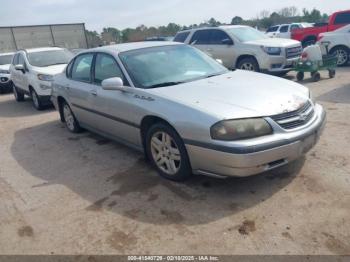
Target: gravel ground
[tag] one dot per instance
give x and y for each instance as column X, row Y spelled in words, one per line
column 82, row 194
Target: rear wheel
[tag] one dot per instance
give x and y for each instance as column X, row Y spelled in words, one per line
column 316, row 76
column 249, row 64
column 70, row 120
column 167, row 153
column 300, row 76
column 19, row 97
column 342, row 54
column 331, row 73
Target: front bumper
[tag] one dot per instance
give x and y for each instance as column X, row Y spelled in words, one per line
column 280, row 64
column 216, row 161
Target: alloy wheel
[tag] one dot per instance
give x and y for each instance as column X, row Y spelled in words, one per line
column 165, row 153
column 68, row 117
column 248, row 67
column 342, row 56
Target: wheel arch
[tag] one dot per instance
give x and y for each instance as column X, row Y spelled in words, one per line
column 60, row 101
column 241, row 57
column 149, row 121
column 340, row 45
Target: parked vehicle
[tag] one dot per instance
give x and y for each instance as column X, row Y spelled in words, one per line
column 188, row 113
column 285, row 30
column 32, row 72
column 244, row 47
column 5, row 81
column 338, row 43
column 159, row 38
column 308, row 36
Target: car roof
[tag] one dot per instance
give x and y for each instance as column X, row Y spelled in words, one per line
column 3, row 54
column 132, row 46
column 41, row 49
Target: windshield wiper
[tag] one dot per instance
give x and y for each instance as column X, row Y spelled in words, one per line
column 165, row 84
column 212, row 75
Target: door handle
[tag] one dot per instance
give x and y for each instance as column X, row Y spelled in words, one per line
column 93, row 92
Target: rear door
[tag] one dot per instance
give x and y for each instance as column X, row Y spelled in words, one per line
column 284, row 32
column 80, row 90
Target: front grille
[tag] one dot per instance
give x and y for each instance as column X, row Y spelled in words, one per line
column 294, row 52
column 295, row 118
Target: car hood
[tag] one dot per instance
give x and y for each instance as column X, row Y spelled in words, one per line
column 5, row 67
column 238, row 94
column 274, row 42
column 51, row 70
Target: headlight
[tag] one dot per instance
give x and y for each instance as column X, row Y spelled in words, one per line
column 43, row 77
column 4, row 72
column 230, row 130
column 311, row 96
column 272, row 50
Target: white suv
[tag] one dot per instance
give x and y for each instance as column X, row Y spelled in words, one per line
column 244, row 47
column 5, row 81
column 32, row 72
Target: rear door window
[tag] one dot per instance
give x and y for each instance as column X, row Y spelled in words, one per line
column 81, row 70
column 284, row 29
column 343, row 18
column 201, row 37
column 272, row 29
column 181, row 37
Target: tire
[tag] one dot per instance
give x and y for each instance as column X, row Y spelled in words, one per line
column 316, row 76
column 167, row 153
column 249, row 64
column 69, row 119
column 331, row 73
column 37, row 103
column 300, row 76
column 19, row 97
column 342, row 53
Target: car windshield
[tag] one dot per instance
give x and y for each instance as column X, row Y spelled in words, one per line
column 48, row 58
column 169, row 65
column 5, row 59
column 246, row 34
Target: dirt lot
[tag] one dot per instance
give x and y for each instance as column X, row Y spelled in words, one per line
column 81, row 194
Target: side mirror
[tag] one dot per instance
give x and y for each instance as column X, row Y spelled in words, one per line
column 20, row 68
column 227, row 41
column 115, row 83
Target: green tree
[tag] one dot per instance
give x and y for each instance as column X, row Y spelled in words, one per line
column 237, row 20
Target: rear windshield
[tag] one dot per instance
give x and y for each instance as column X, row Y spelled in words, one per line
column 49, row 58
column 5, row 59
column 181, row 37
column 246, row 34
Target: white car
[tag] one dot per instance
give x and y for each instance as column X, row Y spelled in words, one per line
column 285, row 30
column 32, row 72
column 244, row 47
column 5, row 81
column 338, row 43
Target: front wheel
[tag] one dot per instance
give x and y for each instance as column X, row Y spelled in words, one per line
column 38, row 105
column 167, row 153
column 249, row 64
column 342, row 54
column 19, row 97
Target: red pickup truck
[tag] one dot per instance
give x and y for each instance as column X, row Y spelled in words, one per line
column 308, row 36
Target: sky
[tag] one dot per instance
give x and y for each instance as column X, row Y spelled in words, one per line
column 132, row 13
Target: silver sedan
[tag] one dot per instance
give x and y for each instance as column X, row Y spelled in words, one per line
column 185, row 111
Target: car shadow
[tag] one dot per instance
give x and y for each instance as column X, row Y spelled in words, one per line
column 117, row 179
column 339, row 95
column 10, row 108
